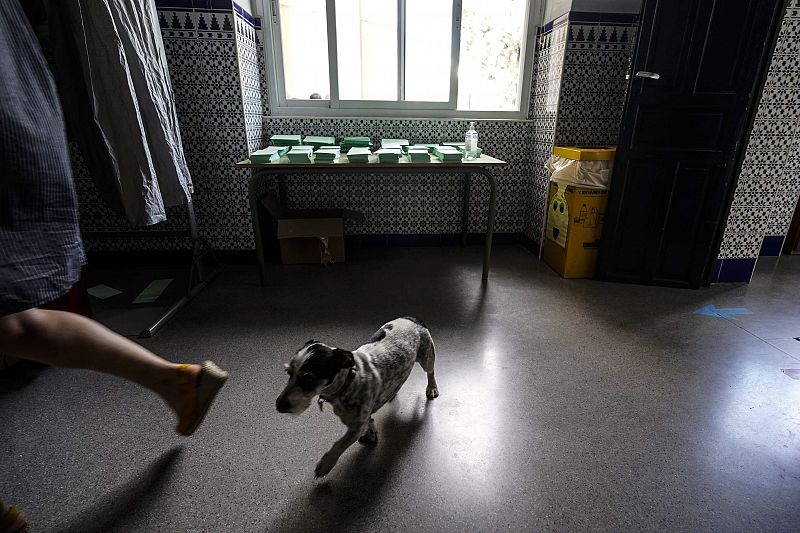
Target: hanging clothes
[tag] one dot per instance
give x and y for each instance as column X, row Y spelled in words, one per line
column 41, row 254
column 115, row 84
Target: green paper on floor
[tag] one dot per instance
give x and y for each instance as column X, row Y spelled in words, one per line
column 151, row 293
column 103, row 291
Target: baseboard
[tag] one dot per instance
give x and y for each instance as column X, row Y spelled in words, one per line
column 181, row 258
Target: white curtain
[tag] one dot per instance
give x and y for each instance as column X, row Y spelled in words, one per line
column 119, row 67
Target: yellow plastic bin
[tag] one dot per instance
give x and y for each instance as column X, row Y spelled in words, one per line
column 576, row 207
column 582, row 166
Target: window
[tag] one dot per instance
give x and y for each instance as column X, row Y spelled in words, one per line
column 400, row 57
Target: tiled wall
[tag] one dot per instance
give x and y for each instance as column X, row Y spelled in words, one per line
column 216, row 61
column 596, row 60
column 250, row 50
column 425, row 203
column 768, row 186
column 217, row 66
column 579, row 90
column 214, row 64
column 549, row 67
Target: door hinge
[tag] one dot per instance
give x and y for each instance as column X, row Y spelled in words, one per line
column 274, row 9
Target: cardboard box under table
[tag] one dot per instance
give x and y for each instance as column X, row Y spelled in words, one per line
column 575, row 218
column 309, row 235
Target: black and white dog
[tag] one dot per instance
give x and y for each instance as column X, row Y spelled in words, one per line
column 358, row 383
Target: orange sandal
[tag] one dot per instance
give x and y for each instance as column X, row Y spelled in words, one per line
column 197, row 395
column 13, row 521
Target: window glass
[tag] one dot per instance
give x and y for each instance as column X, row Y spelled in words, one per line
column 304, row 36
column 366, row 41
column 490, row 62
column 429, row 35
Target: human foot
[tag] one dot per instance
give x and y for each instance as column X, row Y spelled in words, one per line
column 12, row 521
column 197, row 390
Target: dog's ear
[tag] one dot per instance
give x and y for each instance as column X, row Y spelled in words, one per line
column 344, row 358
column 310, row 341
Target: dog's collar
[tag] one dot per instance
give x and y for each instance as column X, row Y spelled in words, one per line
column 325, row 395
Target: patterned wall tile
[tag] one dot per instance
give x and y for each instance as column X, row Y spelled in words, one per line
column 579, row 92
column 416, row 204
column 767, row 190
column 204, row 59
column 216, row 59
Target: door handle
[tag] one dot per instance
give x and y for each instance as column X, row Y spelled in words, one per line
column 648, row 75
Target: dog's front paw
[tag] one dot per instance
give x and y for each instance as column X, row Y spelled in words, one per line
column 325, row 464
column 432, row 392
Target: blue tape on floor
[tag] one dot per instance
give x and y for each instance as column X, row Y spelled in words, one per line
column 726, row 312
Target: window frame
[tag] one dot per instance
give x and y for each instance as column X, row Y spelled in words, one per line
column 334, row 107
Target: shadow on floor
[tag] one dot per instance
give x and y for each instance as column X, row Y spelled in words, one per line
column 20, row 375
column 130, row 500
column 345, row 497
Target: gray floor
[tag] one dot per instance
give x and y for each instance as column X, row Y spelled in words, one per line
column 565, row 405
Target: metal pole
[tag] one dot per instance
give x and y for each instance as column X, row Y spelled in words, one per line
column 256, row 218
column 465, row 209
column 202, row 279
column 487, row 254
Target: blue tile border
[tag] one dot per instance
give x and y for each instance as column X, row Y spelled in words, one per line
column 254, row 21
column 193, row 4
column 732, row 270
column 610, row 18
column 174, row 4
column 547, row 28
column 772, row 245
column 584, row 17
column 228, row 6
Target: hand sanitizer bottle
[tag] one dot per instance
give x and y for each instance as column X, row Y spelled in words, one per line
column 471, row 142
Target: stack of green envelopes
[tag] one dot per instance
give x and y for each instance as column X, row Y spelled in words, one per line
column 447, row 154
column 268, row 154
column 358, row 142
column 285, row 140
column 316, row 141
column 389, row 155
column 394, row 143
column 300, row 154
column 419, row 154
column 462, row 147
column 428, row 147
column 455, row 144
column 327, row 154
column 358, row 154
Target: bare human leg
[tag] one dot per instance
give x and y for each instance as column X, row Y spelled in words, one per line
column 68, row 340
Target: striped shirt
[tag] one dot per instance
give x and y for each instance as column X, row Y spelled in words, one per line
column 41, row 253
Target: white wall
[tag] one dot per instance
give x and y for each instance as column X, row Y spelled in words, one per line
column 556, row 8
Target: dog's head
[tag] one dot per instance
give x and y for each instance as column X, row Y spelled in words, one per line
column 312, row 369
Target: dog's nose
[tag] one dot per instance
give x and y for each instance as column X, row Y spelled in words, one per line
column 282, row 405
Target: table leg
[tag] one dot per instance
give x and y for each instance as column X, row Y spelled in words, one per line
column 256, row 219
column 465, row 209
column 487, row 254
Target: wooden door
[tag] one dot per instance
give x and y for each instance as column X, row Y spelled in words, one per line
column 697, row 69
